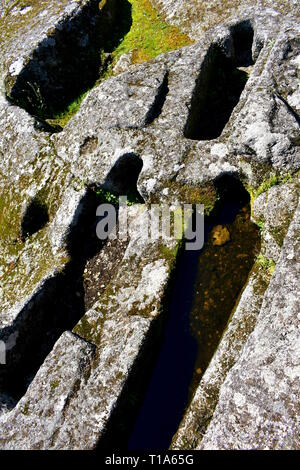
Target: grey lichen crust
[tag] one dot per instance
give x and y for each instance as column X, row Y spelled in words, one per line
column 39, row 414
column 248, row 396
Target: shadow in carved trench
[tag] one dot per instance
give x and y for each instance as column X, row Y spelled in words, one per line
column 219, row 85
column 35, row 218
column 202, row 295
column 64, row 298
column 71, row 60
column 160, row 99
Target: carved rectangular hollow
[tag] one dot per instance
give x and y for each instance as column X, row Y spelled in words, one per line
column 219, row 85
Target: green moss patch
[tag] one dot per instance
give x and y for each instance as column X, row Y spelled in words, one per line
column 266, row 264
column 187, row 194
column 105, row 196
column 25, row 261
column 150, row 35
column 54, row 385
column 270, row 182
column 25, row 410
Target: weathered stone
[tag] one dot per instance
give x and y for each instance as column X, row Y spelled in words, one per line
column 123, row 63
column 197, row 16
column 38, row 416
column 274, row 210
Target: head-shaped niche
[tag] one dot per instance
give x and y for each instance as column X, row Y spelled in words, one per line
column 123, row 177
column 35, row 218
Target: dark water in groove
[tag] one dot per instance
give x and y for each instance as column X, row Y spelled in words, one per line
column 182, row 353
